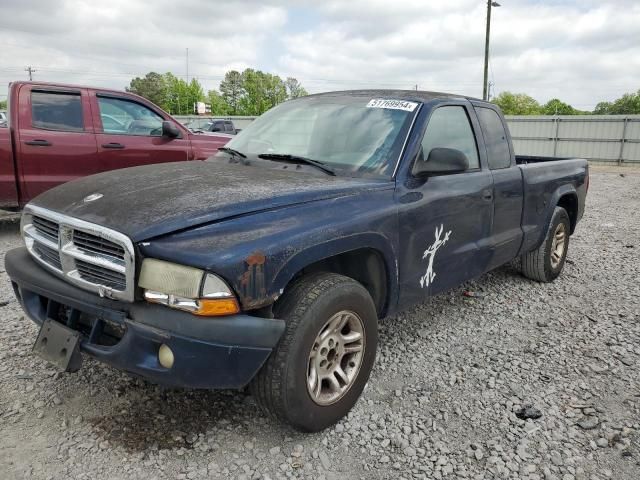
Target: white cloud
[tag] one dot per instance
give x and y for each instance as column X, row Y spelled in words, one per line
column 580, row 51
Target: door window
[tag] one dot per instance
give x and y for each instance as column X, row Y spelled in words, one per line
column 228, row 127
column 57, row 111
column 449, row 127
column 495, row 138
column 123, row 117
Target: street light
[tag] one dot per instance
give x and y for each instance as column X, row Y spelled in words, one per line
column 485, row 93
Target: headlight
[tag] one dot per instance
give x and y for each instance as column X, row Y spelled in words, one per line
column 186, row 288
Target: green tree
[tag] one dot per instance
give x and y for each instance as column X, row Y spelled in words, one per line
column 152, row 87
column 231, row 89
column 3, row 104
column 628, row 104
column 517, row 104
column 275, row 91
column 294, row 88
column 557, row 107
column 218, row 105
column 603, row 108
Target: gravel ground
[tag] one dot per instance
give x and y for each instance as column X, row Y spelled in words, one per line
column 451, row 379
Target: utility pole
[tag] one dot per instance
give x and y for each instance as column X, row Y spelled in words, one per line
column 187, row 65
column 30, row 70
column 486, row 50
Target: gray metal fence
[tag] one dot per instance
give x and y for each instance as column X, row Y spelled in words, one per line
column 600, row 138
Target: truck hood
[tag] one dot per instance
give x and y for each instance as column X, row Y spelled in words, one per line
column 153, row 200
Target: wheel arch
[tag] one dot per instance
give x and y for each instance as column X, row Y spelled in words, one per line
column 367, row 258
column 569, row 201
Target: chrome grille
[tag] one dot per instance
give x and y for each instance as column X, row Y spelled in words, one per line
column 46, row 227
column 101, row 275
column 85, row 254
column 96, row 244
column 49, row 255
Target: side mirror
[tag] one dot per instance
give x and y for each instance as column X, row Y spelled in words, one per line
column 170, row 130
column 441, row 160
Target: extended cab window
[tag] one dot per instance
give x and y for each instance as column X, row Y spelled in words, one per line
column 123, row 117
column 495, row 138
column 57, row 111
column 449, row 127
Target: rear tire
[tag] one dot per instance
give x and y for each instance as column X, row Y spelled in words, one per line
column 545, row 263
column 331, row 336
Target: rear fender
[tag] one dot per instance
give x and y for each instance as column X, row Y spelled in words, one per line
column 550, row 208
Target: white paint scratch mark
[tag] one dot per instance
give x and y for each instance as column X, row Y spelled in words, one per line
column 430, row 253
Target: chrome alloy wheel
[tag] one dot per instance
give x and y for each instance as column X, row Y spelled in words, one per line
column 335, row 358
column 558, row 245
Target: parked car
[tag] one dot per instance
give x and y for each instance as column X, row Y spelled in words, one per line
column 3, row 119
column 61, row 132
column 223, row 126
column 270, row 264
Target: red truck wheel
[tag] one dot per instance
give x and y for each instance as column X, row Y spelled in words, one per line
column 323, row 360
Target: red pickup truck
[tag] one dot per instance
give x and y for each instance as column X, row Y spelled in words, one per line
column 56, row 133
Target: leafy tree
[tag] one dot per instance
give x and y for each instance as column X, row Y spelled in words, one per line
column 3, row 104
column 294, row 88
column 232, row 90
column 557, row 107
column 628, row 104
column 275, row 90
column 251, row 92
column 218, row 105
column 517, row 104
column 603, row 108
column 152, row 87
column 262, row 91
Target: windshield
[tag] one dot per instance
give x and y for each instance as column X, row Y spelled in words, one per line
column 354, row 134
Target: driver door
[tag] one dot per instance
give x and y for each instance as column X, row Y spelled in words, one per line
column 129, row 133
column 445, row 219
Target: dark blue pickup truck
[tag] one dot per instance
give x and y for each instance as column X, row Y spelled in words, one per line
column 270, row 264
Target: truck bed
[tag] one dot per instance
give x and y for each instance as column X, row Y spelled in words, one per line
column 525, row 159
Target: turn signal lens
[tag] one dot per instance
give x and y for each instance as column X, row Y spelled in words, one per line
column 217, row 307
column 206, row 307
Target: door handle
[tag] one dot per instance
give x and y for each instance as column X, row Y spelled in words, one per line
column 38, row 143
column 112, row 145
column 487, row 195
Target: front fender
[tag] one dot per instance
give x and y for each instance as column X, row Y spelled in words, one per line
column 336, row 246
column 259, row 254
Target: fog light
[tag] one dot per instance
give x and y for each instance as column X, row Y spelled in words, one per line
column 165, row 356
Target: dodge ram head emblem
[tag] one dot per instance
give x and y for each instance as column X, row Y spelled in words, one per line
column 92, row 197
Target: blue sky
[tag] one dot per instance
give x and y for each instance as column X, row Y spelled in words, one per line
column 580, row 51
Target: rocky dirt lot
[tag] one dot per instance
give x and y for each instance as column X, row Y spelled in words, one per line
column 451, row 380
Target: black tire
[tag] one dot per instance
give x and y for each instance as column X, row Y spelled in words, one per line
column 280, row 388
column 537, row 264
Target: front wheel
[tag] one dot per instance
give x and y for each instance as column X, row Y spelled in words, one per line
column 546, row 262
column 319, row 368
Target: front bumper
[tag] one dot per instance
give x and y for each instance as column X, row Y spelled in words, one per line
column 223, row 352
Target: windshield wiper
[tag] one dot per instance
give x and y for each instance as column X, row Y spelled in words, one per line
column 232, row 152
column 297, row 159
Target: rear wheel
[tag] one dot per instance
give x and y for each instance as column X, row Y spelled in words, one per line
column 319, row 368
column 546, row 262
